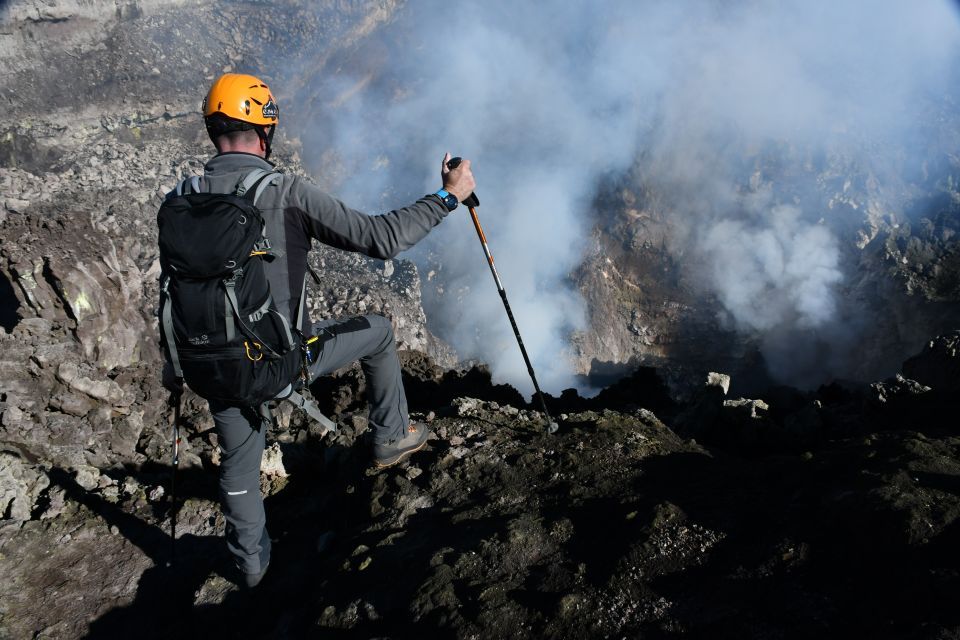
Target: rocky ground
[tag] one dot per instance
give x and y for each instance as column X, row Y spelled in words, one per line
column 668, row 505
column 832, row 514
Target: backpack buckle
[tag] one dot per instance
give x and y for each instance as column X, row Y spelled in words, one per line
column 257, row 354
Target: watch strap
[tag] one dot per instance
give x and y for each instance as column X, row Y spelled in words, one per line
column 448, row 199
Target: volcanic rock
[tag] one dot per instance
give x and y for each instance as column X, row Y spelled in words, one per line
column 21, row 485
column 938, row 365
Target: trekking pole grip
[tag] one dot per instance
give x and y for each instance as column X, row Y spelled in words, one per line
column 472, row 200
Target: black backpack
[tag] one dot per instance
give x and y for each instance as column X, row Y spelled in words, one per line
column 222, row 331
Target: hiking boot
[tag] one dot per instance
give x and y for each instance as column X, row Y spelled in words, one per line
column 390, row 453
column 250, row 580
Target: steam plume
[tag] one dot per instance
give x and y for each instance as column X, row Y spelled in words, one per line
column 546, row 98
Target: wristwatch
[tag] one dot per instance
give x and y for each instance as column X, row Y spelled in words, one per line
column 449, row 200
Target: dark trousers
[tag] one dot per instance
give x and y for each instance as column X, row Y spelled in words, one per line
column 368, row 339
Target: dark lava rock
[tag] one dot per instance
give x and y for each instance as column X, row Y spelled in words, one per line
column 613, row 527
column 901, row 403
column 643, row 388
column 938, row 365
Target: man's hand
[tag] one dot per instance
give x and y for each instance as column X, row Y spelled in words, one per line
column 458, row 181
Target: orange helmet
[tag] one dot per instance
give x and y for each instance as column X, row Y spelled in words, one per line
column 241, row 97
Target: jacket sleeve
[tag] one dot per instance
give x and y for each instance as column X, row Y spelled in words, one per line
column 378, row 236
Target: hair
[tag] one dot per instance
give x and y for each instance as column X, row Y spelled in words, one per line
column 248, row 136
column 221, row 128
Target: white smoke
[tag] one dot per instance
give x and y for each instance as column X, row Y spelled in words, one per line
column 775, row 272
column 547, row 98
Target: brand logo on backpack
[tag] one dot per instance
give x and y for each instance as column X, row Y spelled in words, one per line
column 200, row 340
column 271, row 110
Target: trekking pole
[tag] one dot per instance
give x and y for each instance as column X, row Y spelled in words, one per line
column 175, row 400
column 472, row 202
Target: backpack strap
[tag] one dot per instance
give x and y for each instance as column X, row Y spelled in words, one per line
column 231, row 307
column 248, row 181
column 166, row 326
column 312, row 410
column 267, row 181
column 188, row 185
column 260, row 178
column 264, row 310
column 309, row 406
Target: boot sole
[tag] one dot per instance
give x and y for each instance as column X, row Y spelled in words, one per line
column 389, row 462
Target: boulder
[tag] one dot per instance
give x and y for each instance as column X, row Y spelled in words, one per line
column 747, row 422
column 938, row 365
column 703, row 410
column 894, row 392
column 105, row 390
column 104, row 296
column 901, row 403
column 20, row 486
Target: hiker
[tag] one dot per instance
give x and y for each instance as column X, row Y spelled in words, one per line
column 241, row 117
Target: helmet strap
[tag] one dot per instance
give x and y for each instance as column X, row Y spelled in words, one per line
column 267, row 138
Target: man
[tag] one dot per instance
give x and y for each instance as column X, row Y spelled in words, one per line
column 241, row 117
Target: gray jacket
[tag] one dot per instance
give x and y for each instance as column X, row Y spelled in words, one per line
column 297, row 212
